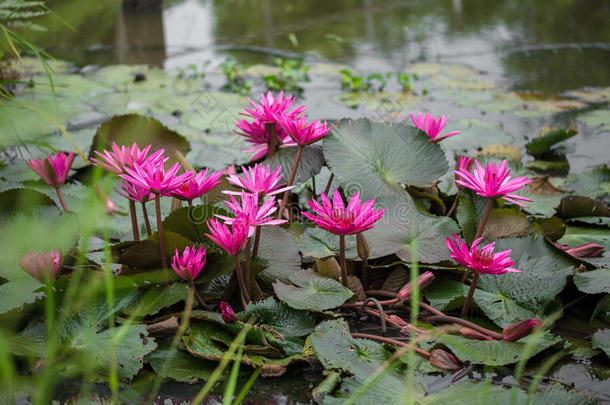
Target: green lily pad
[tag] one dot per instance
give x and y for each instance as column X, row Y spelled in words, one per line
column 279, row 248
column 312, row 292
column 538, row 146
column 597, row 118
column 179, row 365
column 20, row 199
column 601, row 340
column 377, row 159
column 506, row 223
column 157, row 298
column 594, row 183
column 318, row 243
column 495, row 352
column 476, row 134
column 191, row 222
column 127, row 129
column 310, row 163
column 280, row 317
column 544, row 270
column 336, row 348
column 403, row 223
column 593, row 282
column 16, row 294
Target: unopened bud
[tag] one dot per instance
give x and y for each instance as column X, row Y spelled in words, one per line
column 586, row 250
column 444, row 360
column 227, row 313
column 362, row 246
column 43, row 266
column 519, row 329
column 424, row 280
column 471, row 333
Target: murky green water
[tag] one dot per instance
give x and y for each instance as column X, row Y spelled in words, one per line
column 550, row 46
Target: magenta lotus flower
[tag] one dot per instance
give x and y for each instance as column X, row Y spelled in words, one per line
column 135, row 193
column 189, row 264
column 53, row 169
column 432, row 126
column 119, row 157
column 259, row 180
column 43, row 266
column 249, row 212
column 153, row 176
column 341, row 220
column 231, row 240
column 464, row 163
column 481, row 260
column 198, row 185
column 301, row 132
column 270, row 107
column 227, row 313
column 492, row 181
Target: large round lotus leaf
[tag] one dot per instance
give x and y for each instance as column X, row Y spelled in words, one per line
column 475, row 134
column 310, row 163
column 377, row 159
column 593, row 282
column 594, row 183
column 401, row 224
column 127, row 129
column 179, row 365
column 544, row 269
column 312, row 292
column 495, row 352
column 279, row 248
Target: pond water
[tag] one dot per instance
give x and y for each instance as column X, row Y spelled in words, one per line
column 528, row 57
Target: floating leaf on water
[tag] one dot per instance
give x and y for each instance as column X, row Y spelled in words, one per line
column 376, row 159
column 310, row 164
column 594, row 183
column 179, row 365
column 506, row 223
column 312, row 292
column 597, row 118
column 593, row 282
column 319, row 243
column 601, row 340
column 279, row 248
column 580, row 206
column 511, row 152
column 539, row 146
column 476, row 134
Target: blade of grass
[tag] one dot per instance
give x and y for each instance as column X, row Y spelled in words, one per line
column 244, row 391
column 241, row 336
column 227, row 397
column 410, row 399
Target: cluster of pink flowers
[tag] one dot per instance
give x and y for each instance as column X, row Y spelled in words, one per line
column 275, row 125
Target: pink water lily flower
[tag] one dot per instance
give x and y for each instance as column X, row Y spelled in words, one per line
column 259, row 180
column 231, row 240
column 42, row 266
column 188, row 265
column 432, row 126
column 250, row 213
column 493, row 181
column 119, row 157
column 53, row 169
column 155, row 178
column 301, row 132
column 270, row 107
column 135, row 193
column 256, row 133
column 482, row 260
column 341, row 220
column 198, row 185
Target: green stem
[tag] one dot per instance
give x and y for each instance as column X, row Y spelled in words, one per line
column 160, row 234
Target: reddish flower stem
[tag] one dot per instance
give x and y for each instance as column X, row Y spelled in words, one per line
column 382, row 293
column 243, row 291
column 455, row 201
column 190, row 203
column 342, row 260
column 257, row 238
column 466, row 306
column 390, row 341
column 330, row 181
column 370, row 304
column 199, row 299
column 61, row 199
column 454, row 319
column 293, row 173
column 146, row 220
column 160, row 233
column 134, row 220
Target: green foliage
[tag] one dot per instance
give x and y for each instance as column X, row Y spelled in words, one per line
column 292, row 73
column 312, row 292
column 233, row 71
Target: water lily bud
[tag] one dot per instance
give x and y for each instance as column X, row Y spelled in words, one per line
column 362, row 246
column 519, row 329
column 109, row 206
column 471, row 333
column 444, row 360
column 227, row 313
column 586, row 250
column 410, row 330
column 43, row 266
column 424, row 280
column 397, row 320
